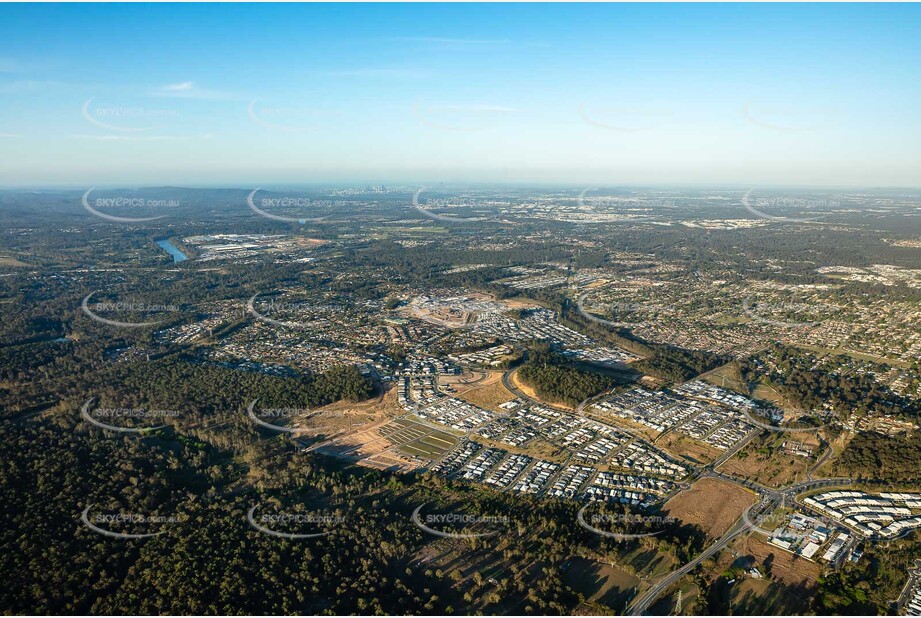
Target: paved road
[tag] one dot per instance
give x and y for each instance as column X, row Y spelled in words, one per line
column 642, row 603
column 821, row 460
column 914, row 576
column 770, row 500
column 728, row 453
column 580, row 411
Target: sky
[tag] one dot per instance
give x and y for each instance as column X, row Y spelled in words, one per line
column 622, row 94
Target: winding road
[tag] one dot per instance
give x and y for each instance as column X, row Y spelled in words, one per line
column 769, row 502
column 770, row 499
column 641, row 604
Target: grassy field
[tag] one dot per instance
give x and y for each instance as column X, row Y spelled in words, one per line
column 763, row 459
column 537, row 448
column 487, row 393
column 677, row 443
column 418, row 439
column 858, row 355
column 712, row 504
column 647, row 562
column 756, row 597
column 726, row 377
column 637, row 428
column 782, row 565
column 600, row 583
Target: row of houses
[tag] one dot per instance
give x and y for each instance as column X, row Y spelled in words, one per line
column 887, row 515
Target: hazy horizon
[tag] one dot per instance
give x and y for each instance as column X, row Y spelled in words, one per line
column 454, row 185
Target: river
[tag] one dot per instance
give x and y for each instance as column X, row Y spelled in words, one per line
column 178, row 256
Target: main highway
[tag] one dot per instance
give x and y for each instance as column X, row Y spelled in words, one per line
column 770, row 499
column 643, row 602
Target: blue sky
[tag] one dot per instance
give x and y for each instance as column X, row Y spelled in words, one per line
column 678, row 94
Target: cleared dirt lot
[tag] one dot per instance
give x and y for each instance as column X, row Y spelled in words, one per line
column 764, row 460
column 643, row 431
column 368, row 434
column 486, row 393
column 791, row 569
column 11, row 261
column 343, row 417
column 712, row 504
column 676, row 444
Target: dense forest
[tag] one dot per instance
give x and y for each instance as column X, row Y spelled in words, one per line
column 818, row 384
column 208, row 560
column 675, row 364
column 867, row 588
column 553, row 378
column 875, row 456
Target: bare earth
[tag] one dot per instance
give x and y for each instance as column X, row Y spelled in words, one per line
column 679, row 444
column 712, row 504
column 487, row 393
column 778, row 468
column 791, row 569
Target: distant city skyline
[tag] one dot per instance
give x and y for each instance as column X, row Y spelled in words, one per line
column 630, row 95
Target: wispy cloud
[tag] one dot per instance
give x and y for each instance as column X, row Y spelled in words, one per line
column 140, row 138
column 180, row 87
column 9, row 64
column 189, row 90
